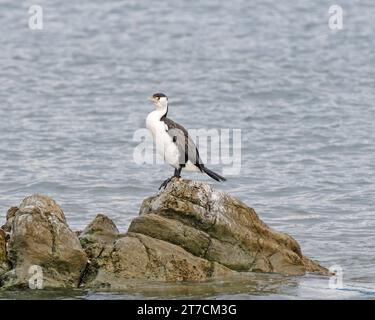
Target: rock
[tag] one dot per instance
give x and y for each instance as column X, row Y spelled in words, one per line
column 39, row 236
column 100, row 232
column 139, row 257
column 116, row 259
column 187, row 232
column 101, row 229
column 4, row 265
column 219, row 228
column 9, row 219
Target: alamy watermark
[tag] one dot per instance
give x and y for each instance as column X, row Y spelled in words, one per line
column 335, row 21
column 36, row 279
column 35, row 17
column 336, row 280
column 216, row 147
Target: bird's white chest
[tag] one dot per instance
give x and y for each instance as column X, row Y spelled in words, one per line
column 163, row 141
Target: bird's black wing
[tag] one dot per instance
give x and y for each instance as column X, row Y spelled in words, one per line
column 186, row 145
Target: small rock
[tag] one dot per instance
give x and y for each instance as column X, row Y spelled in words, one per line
column 101, row 229
column 4, row 265
column 9, row 219
column 99, row 233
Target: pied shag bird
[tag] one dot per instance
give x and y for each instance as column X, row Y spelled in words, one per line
column 173, row 142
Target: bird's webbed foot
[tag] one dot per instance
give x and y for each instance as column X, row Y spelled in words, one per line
column 177, row 175
column 165, row 183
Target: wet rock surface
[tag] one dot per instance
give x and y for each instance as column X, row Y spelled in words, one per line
column 187, row 232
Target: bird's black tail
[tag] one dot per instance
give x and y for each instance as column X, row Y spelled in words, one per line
column 213, row 175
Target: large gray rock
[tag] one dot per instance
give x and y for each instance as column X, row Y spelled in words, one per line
column 217, row 227
column 39, row 236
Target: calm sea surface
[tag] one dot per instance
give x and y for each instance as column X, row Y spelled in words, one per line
column 73, row 94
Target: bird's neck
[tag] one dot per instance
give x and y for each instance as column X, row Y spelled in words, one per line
column 162, row 111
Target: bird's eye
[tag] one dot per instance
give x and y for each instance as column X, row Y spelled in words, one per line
column 158, row 98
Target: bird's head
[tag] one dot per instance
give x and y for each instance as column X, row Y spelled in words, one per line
column 160, row 101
